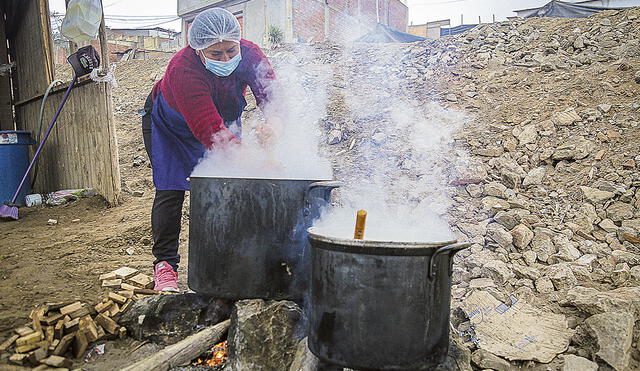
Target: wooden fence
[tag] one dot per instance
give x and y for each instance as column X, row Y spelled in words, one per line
column 82, row 150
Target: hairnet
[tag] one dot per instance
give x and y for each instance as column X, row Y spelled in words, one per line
column 213, row 26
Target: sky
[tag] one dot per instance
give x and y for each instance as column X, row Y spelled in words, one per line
column 422, row 11
column 134, row 13
column 138, row 13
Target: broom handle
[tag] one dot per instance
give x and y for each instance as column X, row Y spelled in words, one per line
column 44, row 139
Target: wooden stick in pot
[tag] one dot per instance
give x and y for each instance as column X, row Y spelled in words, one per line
column 361, row 220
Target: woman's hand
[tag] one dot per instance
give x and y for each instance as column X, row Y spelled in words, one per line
column 265, row 135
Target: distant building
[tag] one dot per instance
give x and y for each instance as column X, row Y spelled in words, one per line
column 430, row 30
column 140, row 43
column 303, row 20
column 145, row 38
column 523, row 13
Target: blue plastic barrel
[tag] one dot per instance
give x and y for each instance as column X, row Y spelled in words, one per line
column 14, row 161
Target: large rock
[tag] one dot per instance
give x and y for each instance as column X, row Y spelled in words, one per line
column 493, row 204
column 591, row 301
column 498, row 271
column 496, row 189
column 619, row 211
column 304, row 360
column 507, row 219
column 534, row 177
column 522, row 271
column 542, row 245
column 264, row 335
column 169, row 318
column 499, row 235
column 576, row 150
column 484, row 359
column 610, row 336
column 562, row 276
column 522, row 236
column 575, row 363
column 516, row 330
column 596, row 195
column 566, row 249
column 528, row 135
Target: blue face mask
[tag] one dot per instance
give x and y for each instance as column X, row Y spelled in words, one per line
column 223, row 68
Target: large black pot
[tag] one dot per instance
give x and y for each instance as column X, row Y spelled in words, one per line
column 247, row 237
column 380, row 305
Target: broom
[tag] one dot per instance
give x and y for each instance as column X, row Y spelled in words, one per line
column 83, row 62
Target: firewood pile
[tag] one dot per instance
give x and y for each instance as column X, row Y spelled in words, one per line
column 64, row 330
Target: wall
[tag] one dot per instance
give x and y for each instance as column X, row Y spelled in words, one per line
column 256, row 15
column 429, row 30
column 344, row 20
column 308, row 20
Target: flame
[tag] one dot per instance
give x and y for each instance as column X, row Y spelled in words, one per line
column 218, row 355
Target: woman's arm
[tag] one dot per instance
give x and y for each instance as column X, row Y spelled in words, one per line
column 194, row 103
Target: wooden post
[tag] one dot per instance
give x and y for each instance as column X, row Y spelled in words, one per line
column 6, row 110
column 47, row 39
column 104, row 46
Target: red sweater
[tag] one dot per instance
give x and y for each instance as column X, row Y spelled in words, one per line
column 205, row 100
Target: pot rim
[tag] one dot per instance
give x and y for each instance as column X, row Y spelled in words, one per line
column 373, row 246
column 256, row 178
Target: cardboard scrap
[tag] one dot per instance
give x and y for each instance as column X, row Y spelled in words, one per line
column 517, row 331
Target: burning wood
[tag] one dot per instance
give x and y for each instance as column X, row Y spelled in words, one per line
column 215, row 356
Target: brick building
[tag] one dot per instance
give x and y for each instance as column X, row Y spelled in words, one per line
column 304, row 20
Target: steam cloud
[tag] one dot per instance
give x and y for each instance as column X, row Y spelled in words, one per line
column 399, row 170
column 399, row 162
column 299, row 102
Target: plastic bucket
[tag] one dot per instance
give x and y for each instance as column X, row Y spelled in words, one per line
column 14, row 161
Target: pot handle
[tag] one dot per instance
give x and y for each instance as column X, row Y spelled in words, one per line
column 327, row 185
column 452, row 249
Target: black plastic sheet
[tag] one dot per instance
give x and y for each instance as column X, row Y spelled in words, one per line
column 561, row 9
column 384, row 34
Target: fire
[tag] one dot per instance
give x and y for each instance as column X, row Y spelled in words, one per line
column 218, row 355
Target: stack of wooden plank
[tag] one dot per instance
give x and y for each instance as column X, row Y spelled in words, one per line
column 58, row 330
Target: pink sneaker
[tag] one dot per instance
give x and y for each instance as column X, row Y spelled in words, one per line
column 165, row 278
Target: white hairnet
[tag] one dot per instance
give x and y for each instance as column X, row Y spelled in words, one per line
column 213, row 26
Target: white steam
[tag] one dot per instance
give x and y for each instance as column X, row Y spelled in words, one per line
column 299, row 102
column 400, row 169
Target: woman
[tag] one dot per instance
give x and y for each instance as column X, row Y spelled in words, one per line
column 197, row 106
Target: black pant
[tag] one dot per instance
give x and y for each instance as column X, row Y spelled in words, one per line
column 166, row 213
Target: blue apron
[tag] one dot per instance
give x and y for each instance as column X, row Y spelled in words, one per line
column 175, row 150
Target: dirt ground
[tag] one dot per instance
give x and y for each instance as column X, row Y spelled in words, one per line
column 62, row 262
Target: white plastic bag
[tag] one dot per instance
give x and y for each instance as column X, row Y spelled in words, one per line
column 82, row 21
